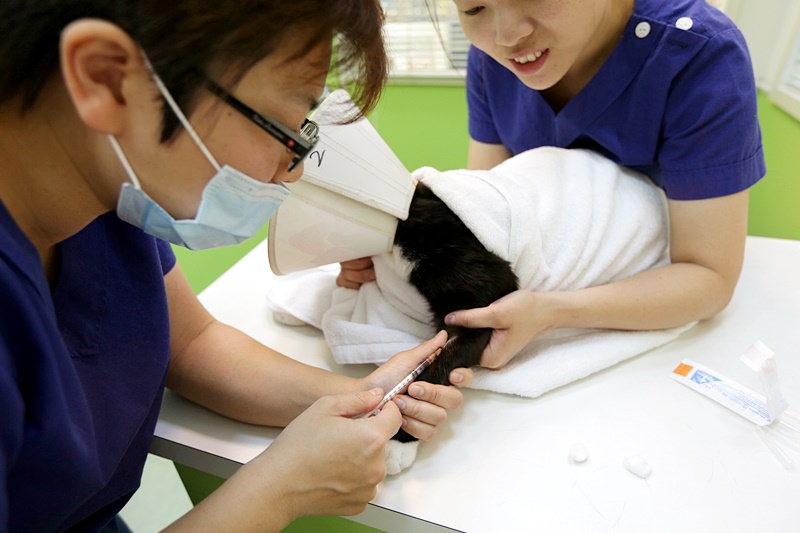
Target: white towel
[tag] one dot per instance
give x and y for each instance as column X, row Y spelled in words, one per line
column 564, row 219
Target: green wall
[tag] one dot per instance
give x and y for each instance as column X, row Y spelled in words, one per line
column 424, row 125
column 775, row 200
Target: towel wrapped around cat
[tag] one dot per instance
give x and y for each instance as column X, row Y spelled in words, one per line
column 564, row 220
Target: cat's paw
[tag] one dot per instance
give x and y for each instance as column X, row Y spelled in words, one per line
column 400, row 455
column 287, row 319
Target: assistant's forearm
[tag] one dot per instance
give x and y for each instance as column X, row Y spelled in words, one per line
column 655, row 299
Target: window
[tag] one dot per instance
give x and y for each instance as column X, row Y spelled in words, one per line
column 772, row 31
column 787, row 91
column 418, row 47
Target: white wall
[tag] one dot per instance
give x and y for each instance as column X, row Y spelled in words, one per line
column 770, row 27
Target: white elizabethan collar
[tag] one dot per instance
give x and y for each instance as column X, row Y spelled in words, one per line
column 349, row 199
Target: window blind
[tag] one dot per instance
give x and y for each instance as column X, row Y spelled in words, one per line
column 424, row 39
column 787, row 93
column 791, row 77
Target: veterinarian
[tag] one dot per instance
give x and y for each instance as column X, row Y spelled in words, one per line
column 118, row 118
column 666, row 88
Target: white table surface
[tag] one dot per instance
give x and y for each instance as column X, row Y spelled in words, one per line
column 501, row 464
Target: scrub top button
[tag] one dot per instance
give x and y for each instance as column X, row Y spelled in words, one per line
column 642, row 30
column 684, row 23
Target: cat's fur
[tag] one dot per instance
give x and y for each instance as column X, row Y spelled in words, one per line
column 452, row 270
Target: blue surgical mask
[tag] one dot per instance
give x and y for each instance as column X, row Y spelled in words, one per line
column 232, row 209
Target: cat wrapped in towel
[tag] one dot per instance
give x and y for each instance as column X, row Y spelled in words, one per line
column 548, row 219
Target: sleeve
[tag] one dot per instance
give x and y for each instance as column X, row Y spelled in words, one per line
column 481, row 122
column 167, row 256
column 712, row 140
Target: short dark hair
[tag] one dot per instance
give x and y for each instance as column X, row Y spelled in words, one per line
column 185, row 37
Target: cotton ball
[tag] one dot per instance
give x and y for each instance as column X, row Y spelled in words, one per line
column 637, row 465
column 578, row 453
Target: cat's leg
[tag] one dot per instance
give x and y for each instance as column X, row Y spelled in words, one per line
column 464, row 351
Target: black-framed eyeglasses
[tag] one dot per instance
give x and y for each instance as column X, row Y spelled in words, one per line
column 301, row 144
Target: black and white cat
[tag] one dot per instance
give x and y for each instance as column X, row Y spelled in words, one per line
column 544, row 220
column 452, row 270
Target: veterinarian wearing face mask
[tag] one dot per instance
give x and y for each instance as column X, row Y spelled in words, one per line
column 123, row 126
column 665, row 88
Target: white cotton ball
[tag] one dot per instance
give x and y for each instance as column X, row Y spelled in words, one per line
column 637, row 465
column 578, row 453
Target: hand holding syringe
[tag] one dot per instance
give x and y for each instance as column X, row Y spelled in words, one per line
column 404, row 383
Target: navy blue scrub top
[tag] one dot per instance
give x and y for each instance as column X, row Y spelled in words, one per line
column 82, row 371
column 675, row 100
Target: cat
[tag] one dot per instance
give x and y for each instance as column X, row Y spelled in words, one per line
column 452, row 270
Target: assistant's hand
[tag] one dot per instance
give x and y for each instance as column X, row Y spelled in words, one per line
column 425, row 405
column 355, row 273
column 517, row 319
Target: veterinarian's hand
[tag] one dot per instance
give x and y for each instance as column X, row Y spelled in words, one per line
column 327, row 462
column 424, row 406
column 516, row 318
column 355, row 273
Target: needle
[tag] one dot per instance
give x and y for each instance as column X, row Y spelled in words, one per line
column 404, row 383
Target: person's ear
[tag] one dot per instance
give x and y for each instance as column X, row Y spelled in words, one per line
column 99, row 64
